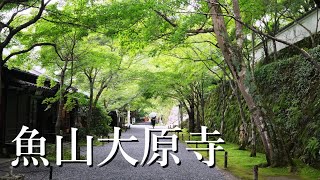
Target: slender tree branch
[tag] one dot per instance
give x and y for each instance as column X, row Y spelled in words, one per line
column 305, row 28
column 206, row 41
column 198, row 31
column 212, row 70
column 304, row 53
column 27, row 50
column 165, row 18
column 2, row 4
column 14, row 15
column 14, row 31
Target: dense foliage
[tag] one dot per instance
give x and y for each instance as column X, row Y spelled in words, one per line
column 288, row 91
column 102, row 120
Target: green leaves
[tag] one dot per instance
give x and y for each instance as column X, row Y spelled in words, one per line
column 288, row 89
column 312, row 150
column 41, row 80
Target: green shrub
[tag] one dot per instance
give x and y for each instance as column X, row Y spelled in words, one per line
column 101, row 121
column 185, row 124
column 312, row 150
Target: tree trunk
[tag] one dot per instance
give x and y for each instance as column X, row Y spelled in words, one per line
column 191, row 116
column 90, row 103
column 252, row 63
column 2, row 119
column 222, row 125
column 202, row 110
column 198, row 123
column 243, row 136
column 253, row 140
column 274, row 44
column 104, row 85
column 266, row 59
column 223, row 112
column 98, row 97
column 224, row 104
column 180, row 115
column 61, row 99
column 243, row 130
column 232, row 53
column 59, row 117
column 202, row 102
column 275, row 31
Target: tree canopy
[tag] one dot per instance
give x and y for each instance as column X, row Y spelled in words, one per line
column 152, row 55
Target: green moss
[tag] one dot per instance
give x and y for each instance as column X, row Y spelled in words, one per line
column 288, row 90
column 240, row 164
column 95, row 142
column 51, row 153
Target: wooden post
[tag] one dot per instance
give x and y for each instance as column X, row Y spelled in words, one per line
column 226, row 159
column 50, row 174
column 255, row 172
column 78, row 152
column 196, row 145
column 182, row 137
column 189, row 137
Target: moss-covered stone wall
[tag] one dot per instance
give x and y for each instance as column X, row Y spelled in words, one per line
column 289, row 92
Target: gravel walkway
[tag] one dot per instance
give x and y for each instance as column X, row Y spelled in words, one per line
column 119, row 168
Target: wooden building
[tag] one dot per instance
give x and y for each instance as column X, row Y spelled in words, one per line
column 22, row 105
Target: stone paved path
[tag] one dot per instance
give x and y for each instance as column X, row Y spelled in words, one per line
column 119, row 168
